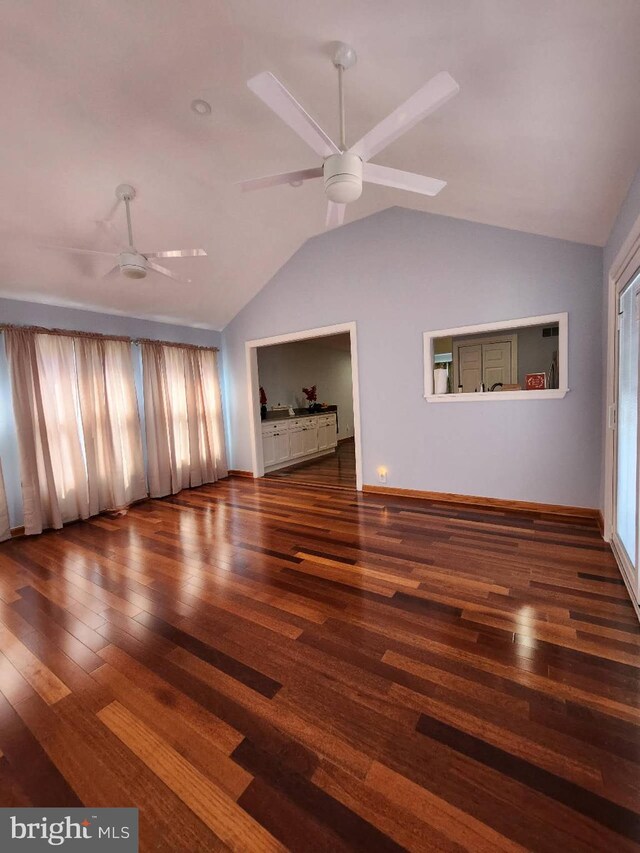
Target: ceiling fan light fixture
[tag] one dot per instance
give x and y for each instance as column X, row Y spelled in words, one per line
column 133, row 271
column 343, row 177
column 132, row 265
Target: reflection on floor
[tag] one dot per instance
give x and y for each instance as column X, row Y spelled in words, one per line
column 260, row 665
column 339, row 469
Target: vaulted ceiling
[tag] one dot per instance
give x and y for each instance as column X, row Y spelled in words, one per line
column 543, row 137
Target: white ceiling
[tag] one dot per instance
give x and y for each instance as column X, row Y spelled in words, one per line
column 543, row 137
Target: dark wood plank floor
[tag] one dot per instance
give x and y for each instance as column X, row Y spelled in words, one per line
column 338, row 469
column 261, row 665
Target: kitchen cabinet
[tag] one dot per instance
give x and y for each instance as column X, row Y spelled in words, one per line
column 296, row 442
column 332, row 433
column 292, row 440
column 310, row 432
column 268, row 449
column 282, row 446
column 327, row 432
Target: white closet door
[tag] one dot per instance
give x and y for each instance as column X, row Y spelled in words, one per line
column 470, row 367
column 626, row 458
column 496, row 363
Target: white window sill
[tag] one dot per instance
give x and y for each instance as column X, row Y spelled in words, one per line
column 494, row 396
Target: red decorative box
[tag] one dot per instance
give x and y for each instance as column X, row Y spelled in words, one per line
column 535, row 381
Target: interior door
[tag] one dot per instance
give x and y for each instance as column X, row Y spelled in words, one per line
column 496, row 363
column 470, row 367
column 626, row 516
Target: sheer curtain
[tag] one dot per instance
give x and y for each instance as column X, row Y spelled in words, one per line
column 208, row 458
column 5, row 529
column 110, row 423
column 183, row 415
column 45, row 403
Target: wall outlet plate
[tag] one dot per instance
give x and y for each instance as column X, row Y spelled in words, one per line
column 382, row 476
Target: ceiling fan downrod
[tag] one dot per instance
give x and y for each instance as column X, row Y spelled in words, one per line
column 344, row 58
column 126, row 193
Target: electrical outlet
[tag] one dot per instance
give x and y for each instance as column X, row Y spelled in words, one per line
column 382, row 475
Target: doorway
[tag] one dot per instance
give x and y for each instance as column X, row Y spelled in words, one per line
column 294, row 438
column 625, row 517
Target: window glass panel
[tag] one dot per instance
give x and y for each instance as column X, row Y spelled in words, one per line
column 627, row 432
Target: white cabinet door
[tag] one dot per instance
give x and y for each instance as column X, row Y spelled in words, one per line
column 332, row 432
column 323, row 436
column 282, row 449
column 310, row 433
column 269, row 448
column 296, row 442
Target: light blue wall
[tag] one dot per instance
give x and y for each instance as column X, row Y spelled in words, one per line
column 30, row 313
column 401, row 272
column 625, row 220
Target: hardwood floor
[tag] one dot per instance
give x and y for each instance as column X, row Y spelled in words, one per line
column 339, row 469
column 259, row 665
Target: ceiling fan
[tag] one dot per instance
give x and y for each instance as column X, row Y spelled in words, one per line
column 344, row 169
column 131, row 262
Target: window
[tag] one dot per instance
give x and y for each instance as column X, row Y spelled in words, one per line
column 509, row 360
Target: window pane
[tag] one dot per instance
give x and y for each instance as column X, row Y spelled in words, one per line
column 627, row 440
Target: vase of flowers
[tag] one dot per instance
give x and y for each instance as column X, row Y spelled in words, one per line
column 312, row 396
column 263, row 404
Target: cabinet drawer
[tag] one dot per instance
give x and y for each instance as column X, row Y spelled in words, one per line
column 275, row 426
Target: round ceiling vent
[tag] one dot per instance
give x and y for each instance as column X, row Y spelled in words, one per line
column 201, row 107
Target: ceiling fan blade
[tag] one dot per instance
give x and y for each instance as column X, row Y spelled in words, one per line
column 114, row 272
column 168, row 273
column 284, row 178
column 335, row 214
column 81, row 251
column 401, row 180
column 271, row 91
column 176, row 253
column 426, row 100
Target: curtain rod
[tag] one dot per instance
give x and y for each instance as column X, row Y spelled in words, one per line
column 41, row 330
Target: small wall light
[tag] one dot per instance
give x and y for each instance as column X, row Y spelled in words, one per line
column 382, row 474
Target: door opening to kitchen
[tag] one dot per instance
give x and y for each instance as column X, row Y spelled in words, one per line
column 307, row 411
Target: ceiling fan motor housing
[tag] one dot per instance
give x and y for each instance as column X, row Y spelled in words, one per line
column 132, row 265
column 343, row 177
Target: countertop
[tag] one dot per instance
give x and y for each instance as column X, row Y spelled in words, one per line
column 272, row 416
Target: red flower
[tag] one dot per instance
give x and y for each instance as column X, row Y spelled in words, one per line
column 263, row 397
column 310, row 394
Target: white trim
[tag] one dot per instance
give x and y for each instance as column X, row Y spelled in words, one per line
column 561, row 319
column 251, row 353
column 627, row 572
column 491, row 397
column 625, row 263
